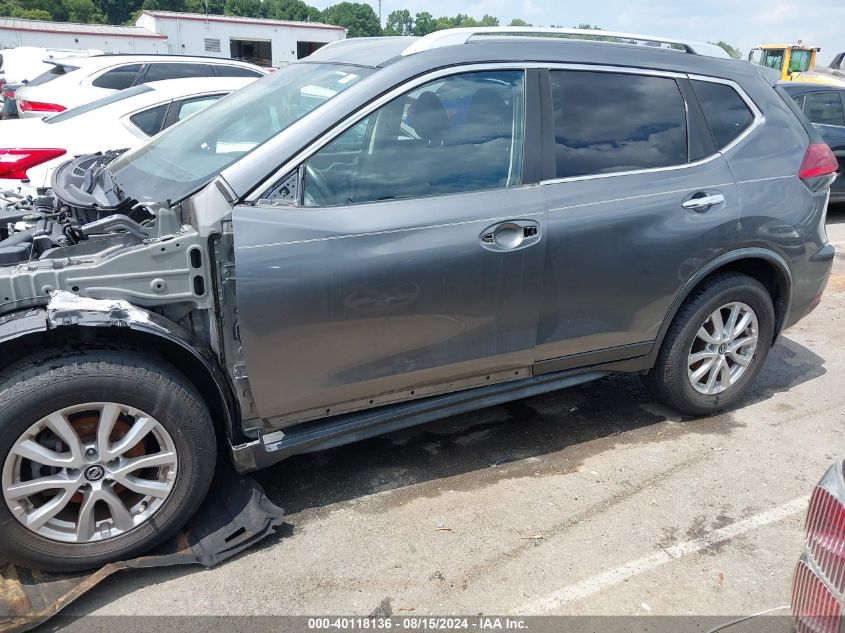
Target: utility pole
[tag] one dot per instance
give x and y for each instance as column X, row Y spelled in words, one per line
column 379, row 12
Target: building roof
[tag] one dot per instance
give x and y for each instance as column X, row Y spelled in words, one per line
column 45, row 26
column 175, row 15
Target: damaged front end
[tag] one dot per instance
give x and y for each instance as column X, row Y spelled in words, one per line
column 86, row 236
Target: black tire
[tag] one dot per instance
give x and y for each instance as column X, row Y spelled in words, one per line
column 668, row 381
column 39, row 385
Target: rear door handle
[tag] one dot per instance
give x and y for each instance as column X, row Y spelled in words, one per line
column 703, row 201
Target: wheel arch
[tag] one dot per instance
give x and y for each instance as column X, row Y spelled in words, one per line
column 764, row 265
column 23, row 333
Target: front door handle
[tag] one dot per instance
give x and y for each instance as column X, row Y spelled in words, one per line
column 702, row 201
column 511, row 235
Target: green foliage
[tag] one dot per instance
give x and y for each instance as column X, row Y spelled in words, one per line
column 424, row 23
column 519, row 22
column 359, row 19
column 246, row 8
column 295, row 10
column 489, row 20
column 117, row 11
column 399, row 23
column 730, row 50
column 163, row 5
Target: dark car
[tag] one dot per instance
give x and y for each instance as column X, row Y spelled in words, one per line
column 389, row 232
column 825, row 107
column 818, row 586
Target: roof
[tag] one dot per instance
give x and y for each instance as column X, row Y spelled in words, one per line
column 176, row 15
column 797, row 47
column 800, row 87
column 45, row 26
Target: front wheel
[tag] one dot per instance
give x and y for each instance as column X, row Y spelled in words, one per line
column 715, row 347
column 104, row 453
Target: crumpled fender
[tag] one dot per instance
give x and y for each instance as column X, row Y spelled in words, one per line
column 68, row 310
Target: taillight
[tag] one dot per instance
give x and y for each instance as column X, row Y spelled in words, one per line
column 37, row 106
column 15, row 162
column 825, row 536
column 814, row 607
column 819, row 166
column 7, row 92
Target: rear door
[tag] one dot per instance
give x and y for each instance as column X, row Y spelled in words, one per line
column 640, row 200
column 412, row 264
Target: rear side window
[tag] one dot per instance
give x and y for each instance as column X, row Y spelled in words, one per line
column 117, row 78
column 235, row 71
column 727, row 114
column 150, row 121
column 613, row 122
column 114, row 97
column 54, row 73
column 160, row 71
column 824, row 108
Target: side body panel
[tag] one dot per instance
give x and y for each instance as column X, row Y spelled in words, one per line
column 621, row 248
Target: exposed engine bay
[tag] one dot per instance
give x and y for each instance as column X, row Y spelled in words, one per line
column 85, row 235
column 72, row 212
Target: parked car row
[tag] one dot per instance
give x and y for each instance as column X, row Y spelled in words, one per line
column 825, row 107
column 32, row 148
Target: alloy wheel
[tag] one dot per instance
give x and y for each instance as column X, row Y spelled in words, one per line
column 723, row 348
column 89, row 472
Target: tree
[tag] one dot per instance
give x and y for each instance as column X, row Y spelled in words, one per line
column 83, row 11
column 399, row 23
column 489, row 20
column 730, row 50
column 424, row 23
column 519, row 22
column 163, row 5
column 210, row 7
column 295, row 10
column 245, row 8
column 359, row 19
column 117, row 11
column 587, row 26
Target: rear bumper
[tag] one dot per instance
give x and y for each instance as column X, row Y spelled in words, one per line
column 808, row 288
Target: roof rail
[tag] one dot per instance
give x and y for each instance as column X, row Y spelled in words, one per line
column 455, row 37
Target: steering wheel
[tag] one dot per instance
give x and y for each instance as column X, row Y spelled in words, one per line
column 316, row 183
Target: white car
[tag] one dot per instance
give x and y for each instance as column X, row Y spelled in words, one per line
column 24, row 63
column 31, row 148
column 73, row 82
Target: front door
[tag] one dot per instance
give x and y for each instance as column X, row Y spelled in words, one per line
column 412, row 264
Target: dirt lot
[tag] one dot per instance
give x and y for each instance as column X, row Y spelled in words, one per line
column 588, row 501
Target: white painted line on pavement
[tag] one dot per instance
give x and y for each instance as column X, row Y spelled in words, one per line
column 612, row 577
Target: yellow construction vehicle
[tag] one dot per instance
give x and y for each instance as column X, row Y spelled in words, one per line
column 795, row 62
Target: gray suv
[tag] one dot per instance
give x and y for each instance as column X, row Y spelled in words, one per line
column 386, row 233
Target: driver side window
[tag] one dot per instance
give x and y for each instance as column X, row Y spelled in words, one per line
column 458, row 134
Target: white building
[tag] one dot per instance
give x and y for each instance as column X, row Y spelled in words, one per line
column 265, row 42
column 64, row 35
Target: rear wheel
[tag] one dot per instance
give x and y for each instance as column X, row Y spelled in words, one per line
column 105, row 453
column 715, row 347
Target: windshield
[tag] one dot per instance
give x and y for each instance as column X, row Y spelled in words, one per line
column 175, row 163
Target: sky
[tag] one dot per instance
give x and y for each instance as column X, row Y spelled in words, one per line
column 741, row 23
